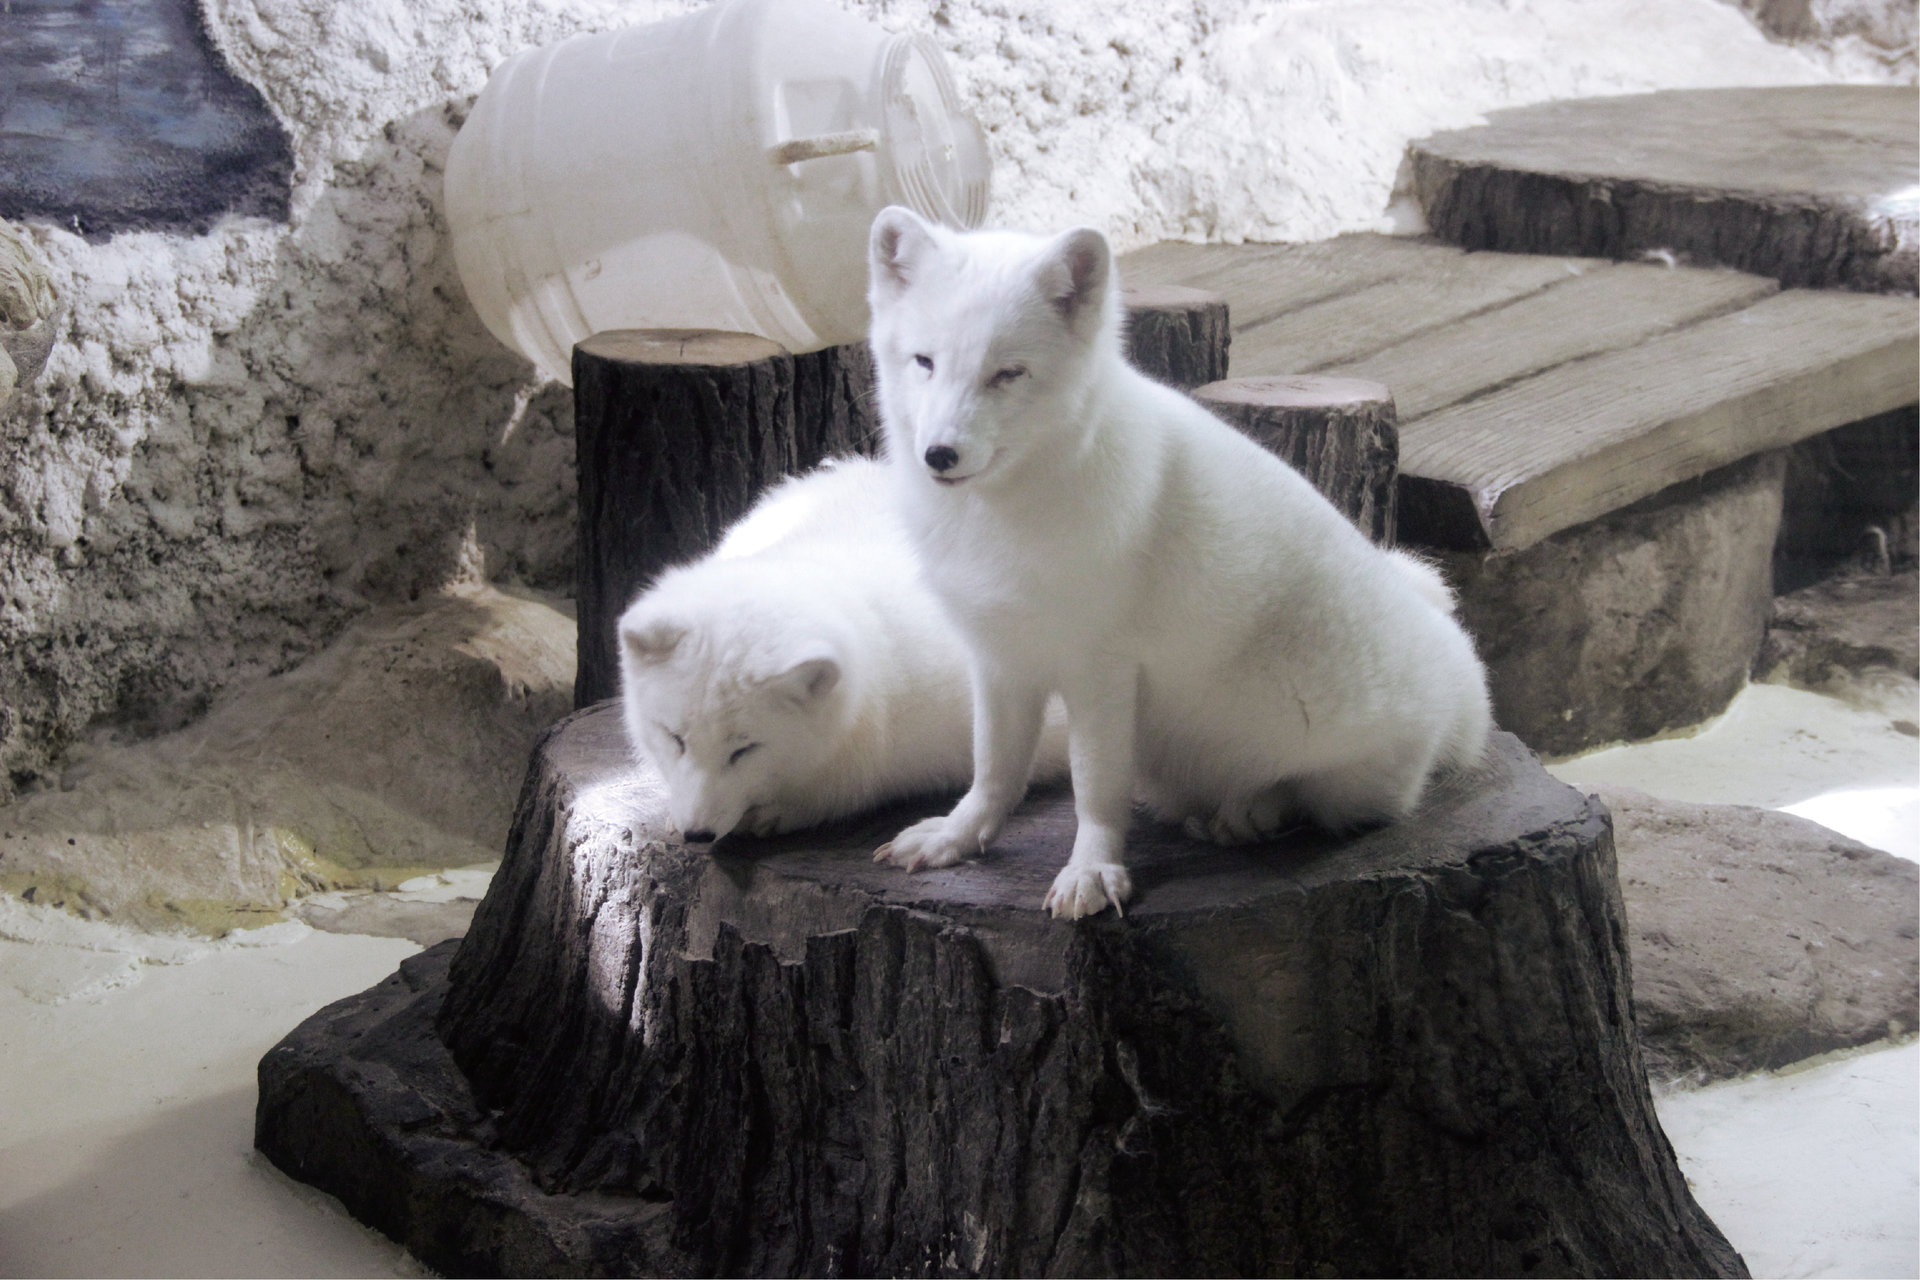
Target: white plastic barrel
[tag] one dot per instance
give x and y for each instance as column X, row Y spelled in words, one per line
column 716, row 171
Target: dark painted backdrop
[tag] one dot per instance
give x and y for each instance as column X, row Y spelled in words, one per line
column 118, row 115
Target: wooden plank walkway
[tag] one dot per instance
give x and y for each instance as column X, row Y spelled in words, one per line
column 1538, row 392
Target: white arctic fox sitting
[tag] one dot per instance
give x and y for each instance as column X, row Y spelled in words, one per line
column 1221, row 635
column 800, row 672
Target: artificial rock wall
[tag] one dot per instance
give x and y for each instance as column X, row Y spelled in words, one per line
column 247, row 434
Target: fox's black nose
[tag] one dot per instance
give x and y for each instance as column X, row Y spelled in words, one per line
column 700, row 837
column 942, row 457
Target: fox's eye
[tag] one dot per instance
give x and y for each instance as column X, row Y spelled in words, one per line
column 1012, row 373
column 925, row 362
column 679, row 743
column 735, row 757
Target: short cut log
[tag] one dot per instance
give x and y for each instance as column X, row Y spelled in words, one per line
column 1342, row 434
column 677, row 432
column 1177, row 335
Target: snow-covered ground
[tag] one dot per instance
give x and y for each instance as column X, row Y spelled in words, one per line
column 126, row 1104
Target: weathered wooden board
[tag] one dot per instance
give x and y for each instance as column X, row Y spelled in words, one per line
column 1239, row 271
column 1593, row 435
column 1602, row 309
column 1537, row 392
column 1263, row 282
column 1429, row 291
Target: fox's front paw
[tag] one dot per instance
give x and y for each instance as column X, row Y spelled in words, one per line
column 934, row 842
column 1085, row 889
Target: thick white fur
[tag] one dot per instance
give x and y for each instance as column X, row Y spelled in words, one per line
column 1223, row 638
column 807, row 640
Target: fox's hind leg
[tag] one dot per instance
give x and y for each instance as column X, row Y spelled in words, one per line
column 1249, row 819
column 1367, row 793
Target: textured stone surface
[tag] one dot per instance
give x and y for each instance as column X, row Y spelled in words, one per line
column 242, row 440
column 1845, row 627
column 1807, row 184
column 1405, row 1053
column 1760, row 938
column 1869, row 34
column 1622, row 627
column 121, row 116
column 29, row 310
column 427, row 910
column 395, row 751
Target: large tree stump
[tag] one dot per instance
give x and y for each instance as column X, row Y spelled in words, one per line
column 1340, row 433
column 1177, row 335
column 1405, row 1053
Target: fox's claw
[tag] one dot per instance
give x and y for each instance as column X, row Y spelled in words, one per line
column 925, row 845
column 1086, row 890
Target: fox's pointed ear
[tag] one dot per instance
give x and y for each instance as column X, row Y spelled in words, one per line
column 809, row 678
column 899, row 242
column 652, row 641
column 1075, row 273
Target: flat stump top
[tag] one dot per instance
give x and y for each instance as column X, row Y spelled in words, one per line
column 1180, row 883
column 1299, row 391
column 1839, row 142
column 679, row 346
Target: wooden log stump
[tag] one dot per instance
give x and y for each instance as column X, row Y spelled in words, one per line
column 1340, row 433
column 836, row 410
column 1406, row 1053
column 677, row 432
column 1177, row 335
column 1788, row 181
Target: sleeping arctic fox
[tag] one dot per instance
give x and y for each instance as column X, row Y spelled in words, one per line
column 800, row 672
column 1223, row 638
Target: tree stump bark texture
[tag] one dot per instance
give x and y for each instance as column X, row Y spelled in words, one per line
column 1342, row 434
column 677, row 432
column 1783, row 181
column 1406, row 1053
column 1177, row 335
